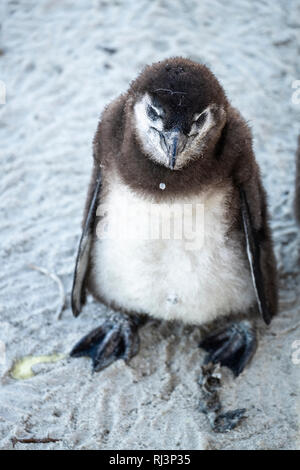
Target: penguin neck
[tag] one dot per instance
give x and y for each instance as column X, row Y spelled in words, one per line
column 148, row 178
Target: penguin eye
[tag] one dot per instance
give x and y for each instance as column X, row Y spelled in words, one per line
column 152, row 113
column 200, row 120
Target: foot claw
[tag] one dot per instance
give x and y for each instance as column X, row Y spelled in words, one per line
column 232, row 347
column 114, row 339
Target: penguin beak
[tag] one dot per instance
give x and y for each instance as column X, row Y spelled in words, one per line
column 173, row 142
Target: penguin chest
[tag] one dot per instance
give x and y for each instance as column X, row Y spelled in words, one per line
column 175, row 261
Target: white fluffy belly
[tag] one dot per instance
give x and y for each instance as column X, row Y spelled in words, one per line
column 195, row 275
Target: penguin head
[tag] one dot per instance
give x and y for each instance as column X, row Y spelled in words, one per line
column 179, row 110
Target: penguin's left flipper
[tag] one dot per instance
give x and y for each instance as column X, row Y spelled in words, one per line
column 116, row 338
column 254, row 256
column 233, row 346
column 82, row 260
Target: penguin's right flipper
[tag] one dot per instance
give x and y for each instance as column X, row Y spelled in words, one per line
column 116, row 338
column 82, row 260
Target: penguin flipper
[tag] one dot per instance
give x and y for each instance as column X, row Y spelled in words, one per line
column 254, row 257
column 82, row 259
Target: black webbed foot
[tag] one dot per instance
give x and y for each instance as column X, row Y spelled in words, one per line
column 232, row 347
column 116, row 338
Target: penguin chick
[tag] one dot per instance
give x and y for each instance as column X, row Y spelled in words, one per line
column 172, row 149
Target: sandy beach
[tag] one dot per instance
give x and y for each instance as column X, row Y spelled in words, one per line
column 61, row 63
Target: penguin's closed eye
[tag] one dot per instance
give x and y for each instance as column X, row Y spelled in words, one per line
column 200, row 119
column 152, row 113
column 197, row 124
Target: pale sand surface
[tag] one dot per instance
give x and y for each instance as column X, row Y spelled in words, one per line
column 62, row 61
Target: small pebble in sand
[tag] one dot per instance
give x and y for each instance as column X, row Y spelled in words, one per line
column 162, row 186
